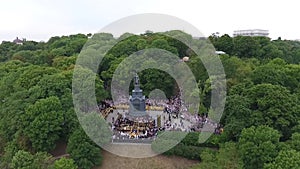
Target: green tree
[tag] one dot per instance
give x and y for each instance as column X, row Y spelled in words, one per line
column 295, row 141
column 9, row 152
column 271, row 51
column 226, row 158
column 236, row 116
column 287, row 159
column 124, row 47
column 45, row 119
column 258, row 145
column 64, row 63
column 25, row 160
column 85, row 153
column 245, row 46
column 275, row 106
column 64, row 163
column 42, row 160
column 225, row 43
column 208, row 160
column 163, row 44
column 273, row 73
column 6, row 50
column 22, row 160
column 236, row 69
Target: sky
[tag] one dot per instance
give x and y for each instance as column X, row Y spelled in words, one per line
column 41, row 19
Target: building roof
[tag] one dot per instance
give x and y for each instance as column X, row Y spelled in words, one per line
column 18, row 41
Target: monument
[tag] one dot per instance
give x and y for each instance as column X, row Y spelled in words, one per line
column 137, row 104
column 135, row 123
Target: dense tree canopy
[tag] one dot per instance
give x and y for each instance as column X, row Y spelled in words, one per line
column 258, row 145
column 86, row 154
column 285, row 160
column 261, row 119
column 65, row 163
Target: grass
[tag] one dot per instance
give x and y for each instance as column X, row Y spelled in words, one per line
column 111, row 161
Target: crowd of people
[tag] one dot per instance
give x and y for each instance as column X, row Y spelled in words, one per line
column 175, row 117
column 139, row 128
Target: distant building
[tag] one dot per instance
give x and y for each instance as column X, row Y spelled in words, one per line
column 19, row 41
column 251, row 32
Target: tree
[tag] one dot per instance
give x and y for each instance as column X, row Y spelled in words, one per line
column 236, row 116
column 84, row 84
column 258, row 145
column 85, row 153
column 32, row 75
column 9, row 152
column 208, row 160
column 64, row 63
column 295, row 141
column 275, row 106
column 274, row 73
column 226, row 158
column 163, row 44
column 42, row 160
column 124, row 47
column 236, row 69
column 245, row 46
column 24, row 56
column 271, row 51
column 179, row 39
column 22, row 160
column 287, row 159
column 286, row 48
column 225, row 43
column 64, row 163
column 7, row 49
column 156, row 79
column 44, row 120
column 25, row 160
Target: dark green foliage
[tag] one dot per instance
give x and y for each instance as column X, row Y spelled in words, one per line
column 225, row 44
column 84, row 152
column 25, row 160
column 190, row 152
column 287, row 159
column 187, row 148
column 274, row 106
column 262, row 105
column 45, row 127
column 258, row 145
column 262, row 48
column 159, row 80
column 295, row 141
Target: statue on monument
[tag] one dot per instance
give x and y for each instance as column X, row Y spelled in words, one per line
column 137, row 100
column 136, row 79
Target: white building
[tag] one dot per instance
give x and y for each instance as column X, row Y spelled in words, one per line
column 251, row 32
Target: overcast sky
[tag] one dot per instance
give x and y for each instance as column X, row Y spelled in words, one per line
column 42, row 19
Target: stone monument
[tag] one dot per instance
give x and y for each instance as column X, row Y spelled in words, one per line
column 137, row 104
